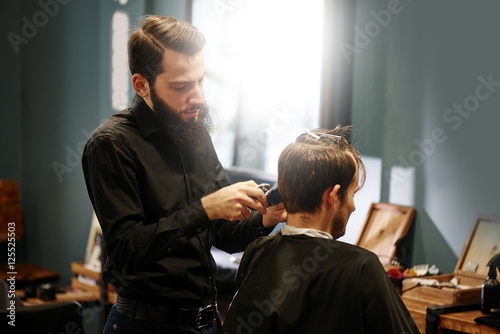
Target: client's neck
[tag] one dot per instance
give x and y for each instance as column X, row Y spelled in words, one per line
column 315, row 221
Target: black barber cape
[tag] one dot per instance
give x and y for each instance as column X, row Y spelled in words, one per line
column 303, row 284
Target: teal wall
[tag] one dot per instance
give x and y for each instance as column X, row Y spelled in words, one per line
column 410, row 70
column 10, row 112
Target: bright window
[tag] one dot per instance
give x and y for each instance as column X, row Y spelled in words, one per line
column 119, row 59
column 263, row 60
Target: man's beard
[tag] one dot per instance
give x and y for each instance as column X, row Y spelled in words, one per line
column 339, row 223
column 186, row 135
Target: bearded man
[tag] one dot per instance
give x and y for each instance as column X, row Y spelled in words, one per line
column 160, row 193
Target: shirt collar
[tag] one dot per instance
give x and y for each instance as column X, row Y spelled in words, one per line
column 146, row 119
column 292, row 230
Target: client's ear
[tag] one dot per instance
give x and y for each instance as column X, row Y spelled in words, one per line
column 331, row 195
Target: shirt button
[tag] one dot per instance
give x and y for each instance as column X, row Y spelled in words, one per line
column 169, row 249
column 198, row 230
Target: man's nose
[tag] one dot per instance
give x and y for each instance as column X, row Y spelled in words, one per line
column 197, row 96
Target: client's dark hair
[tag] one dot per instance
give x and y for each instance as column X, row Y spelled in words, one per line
column 318, row 159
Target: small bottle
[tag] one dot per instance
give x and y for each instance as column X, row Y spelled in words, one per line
column 490, row 291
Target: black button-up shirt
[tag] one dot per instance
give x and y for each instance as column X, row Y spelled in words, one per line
column 147, row 194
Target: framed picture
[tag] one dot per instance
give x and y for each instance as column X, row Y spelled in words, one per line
column 384, row 225
column 94, row 246
column 482, row 244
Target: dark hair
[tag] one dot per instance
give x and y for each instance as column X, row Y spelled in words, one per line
column 146, row 45
column 318, row 159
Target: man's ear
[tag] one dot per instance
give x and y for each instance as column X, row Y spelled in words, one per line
column 332, row 195
column 141, row 85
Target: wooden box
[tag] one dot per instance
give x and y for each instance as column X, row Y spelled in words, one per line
column 11, row 219
column 384, row 225
column 482, row 244
column 86, row 279
column 89, row 280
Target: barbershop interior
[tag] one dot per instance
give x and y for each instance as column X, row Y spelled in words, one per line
column 418, row 81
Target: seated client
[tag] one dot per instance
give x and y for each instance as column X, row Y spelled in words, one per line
column 302, row 280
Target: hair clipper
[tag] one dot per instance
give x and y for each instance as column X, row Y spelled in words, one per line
column 272, row 193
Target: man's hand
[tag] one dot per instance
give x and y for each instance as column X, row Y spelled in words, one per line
column 235, row 201
column 275, row 214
